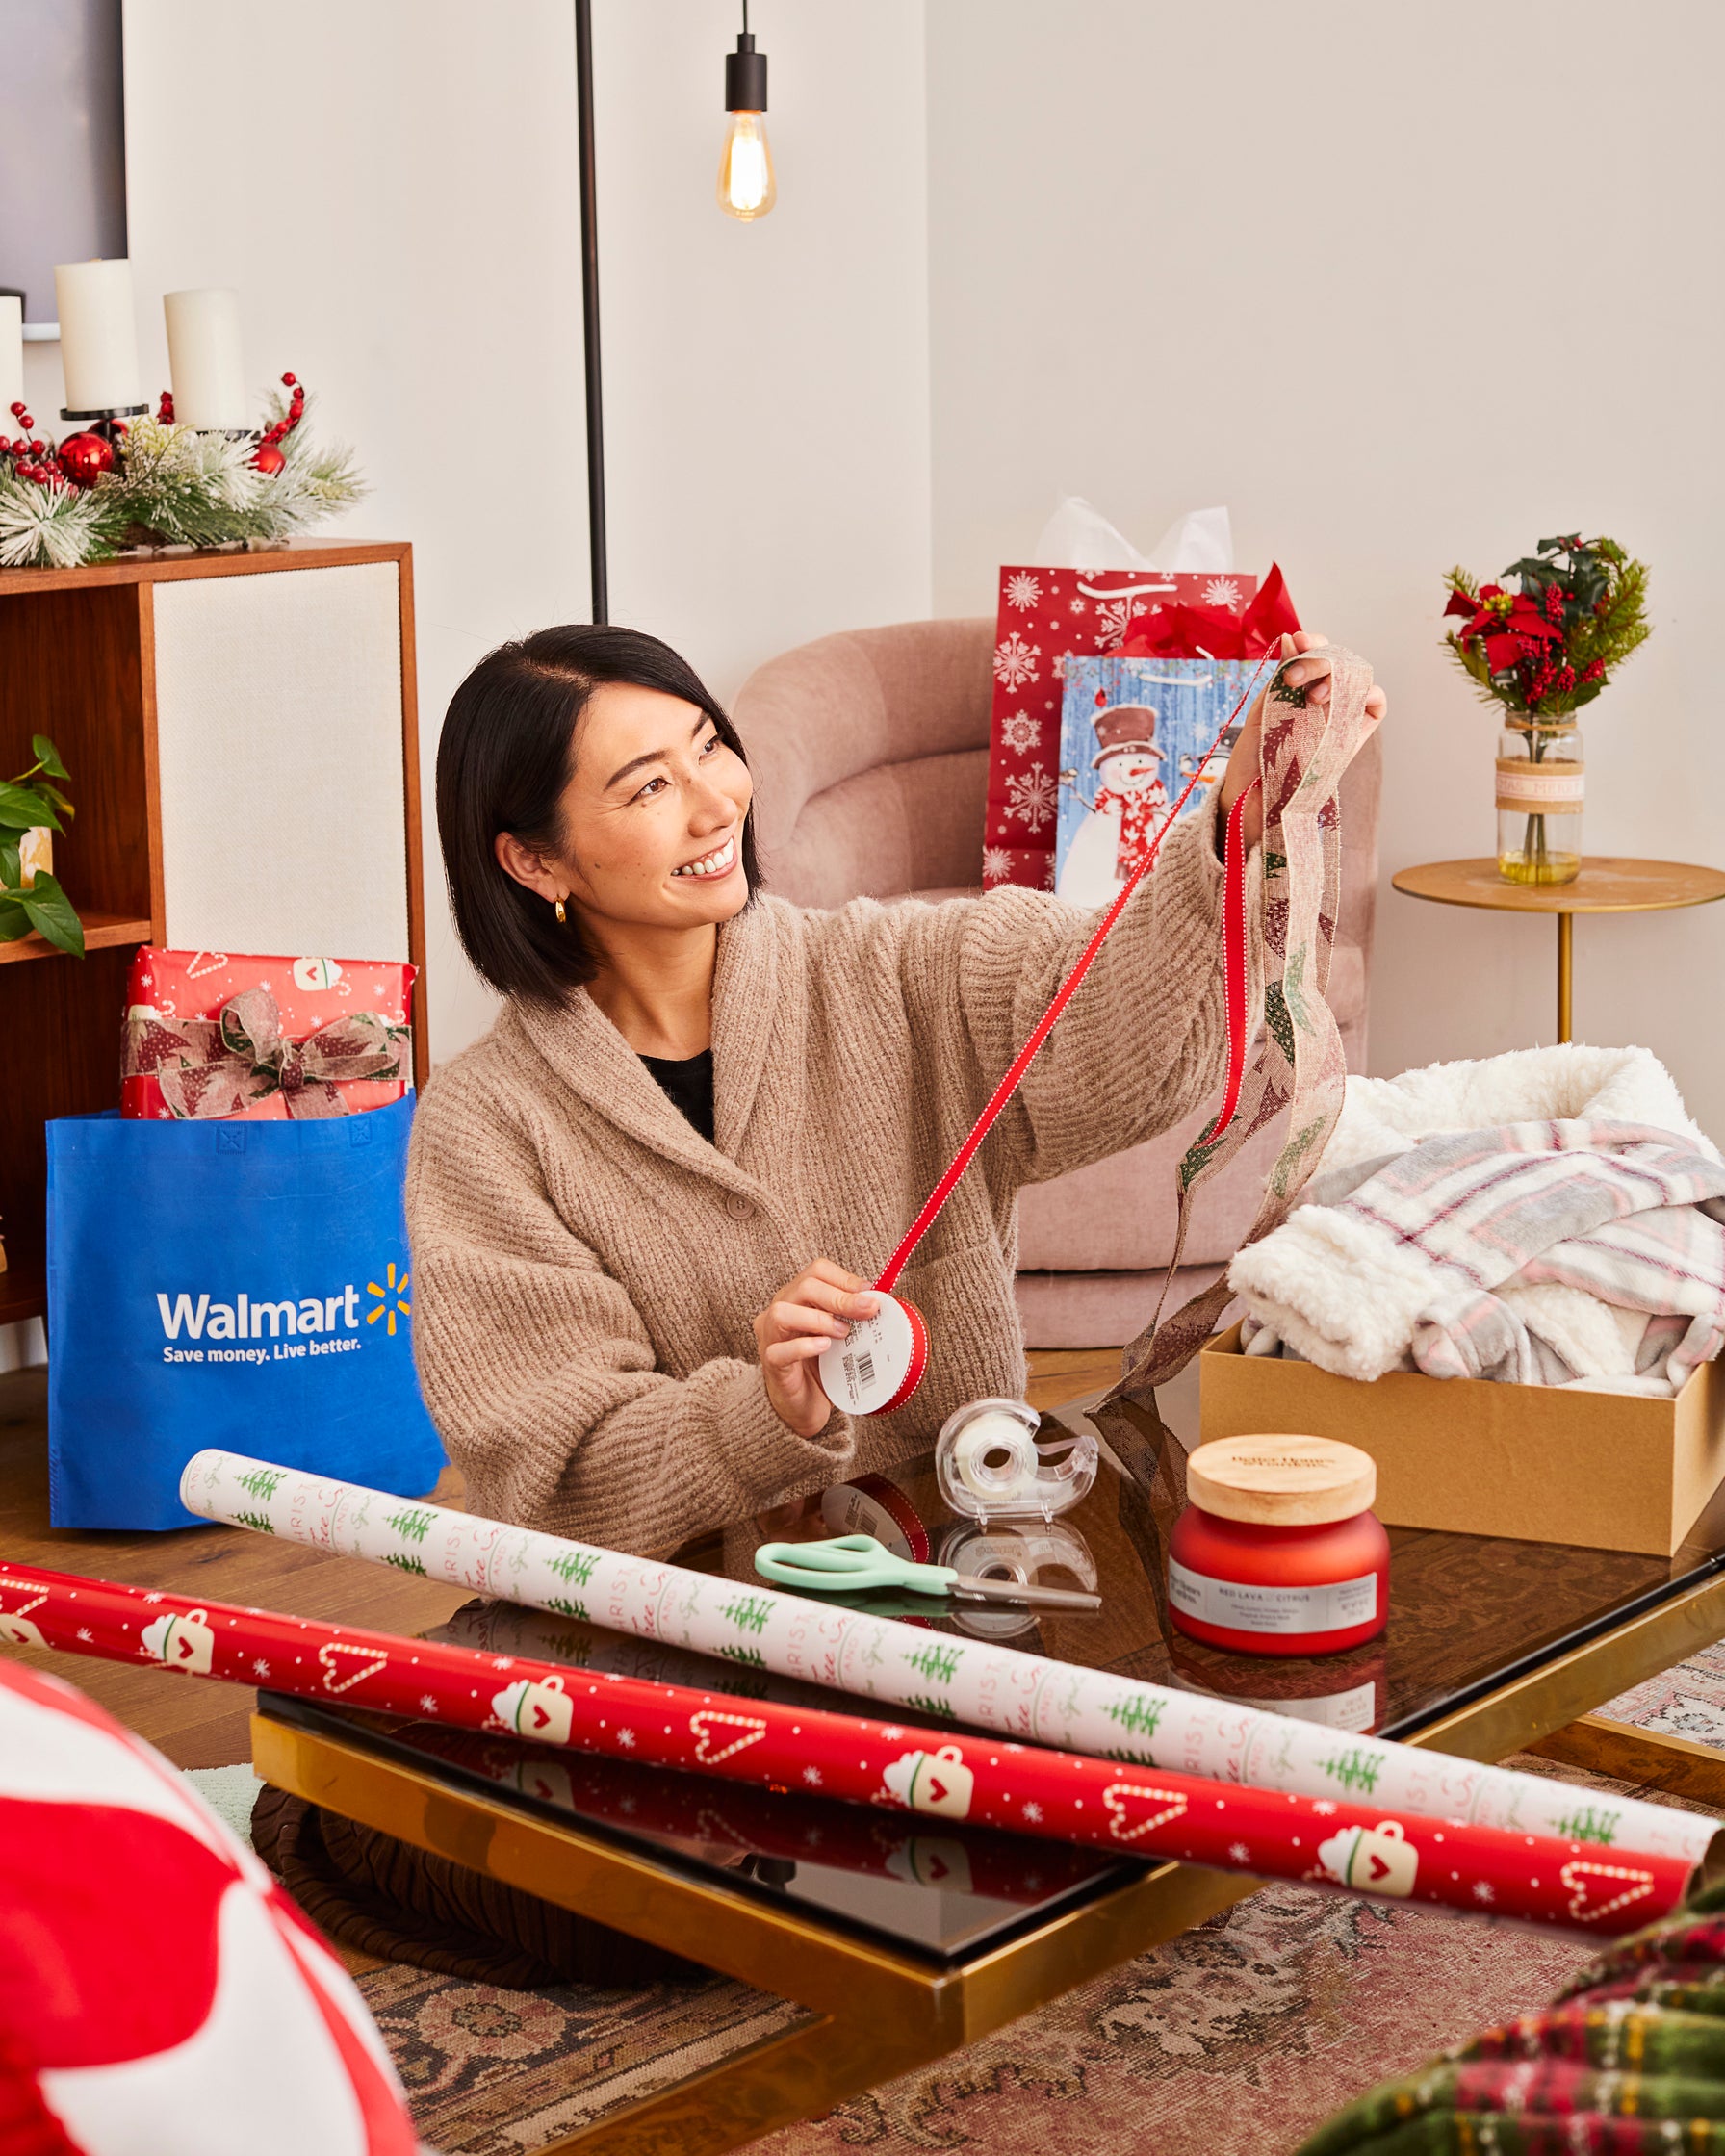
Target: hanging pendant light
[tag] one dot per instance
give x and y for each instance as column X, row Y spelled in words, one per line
column 747, row 190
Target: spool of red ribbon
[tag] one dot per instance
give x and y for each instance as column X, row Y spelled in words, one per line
column 875, row 1370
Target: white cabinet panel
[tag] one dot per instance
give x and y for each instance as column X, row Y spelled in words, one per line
column 279, row 725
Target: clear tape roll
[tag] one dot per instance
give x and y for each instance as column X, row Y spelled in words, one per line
column 1022, row 1552
column 989, row 1465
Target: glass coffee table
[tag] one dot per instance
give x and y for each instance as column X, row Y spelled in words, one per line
column 901, row 1944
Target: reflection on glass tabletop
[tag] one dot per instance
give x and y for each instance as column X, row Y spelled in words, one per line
column 1467, row 1613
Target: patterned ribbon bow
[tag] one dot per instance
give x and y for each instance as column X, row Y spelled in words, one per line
column 210, row 1068
column 1300, row 1066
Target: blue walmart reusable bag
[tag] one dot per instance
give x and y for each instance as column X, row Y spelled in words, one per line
column 236, row 1284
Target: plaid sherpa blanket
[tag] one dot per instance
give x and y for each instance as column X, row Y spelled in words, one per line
column 1535, row 1252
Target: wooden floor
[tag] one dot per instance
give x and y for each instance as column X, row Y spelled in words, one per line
column 204, row 1725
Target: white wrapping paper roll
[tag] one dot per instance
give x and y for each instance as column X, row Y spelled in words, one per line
column 996, row 1688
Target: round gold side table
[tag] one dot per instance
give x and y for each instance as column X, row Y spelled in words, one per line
column 1605, row 884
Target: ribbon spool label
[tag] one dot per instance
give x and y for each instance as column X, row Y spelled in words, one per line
column 880, row 1364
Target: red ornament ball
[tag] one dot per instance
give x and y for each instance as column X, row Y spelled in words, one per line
column 268, row 459
column 84, row 457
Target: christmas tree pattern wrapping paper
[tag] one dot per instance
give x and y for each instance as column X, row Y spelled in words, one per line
column 879, row 1659
column 1059, row 1796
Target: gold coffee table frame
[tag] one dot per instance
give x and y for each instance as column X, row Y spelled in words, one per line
column 1605, row 884
column 876, row 2012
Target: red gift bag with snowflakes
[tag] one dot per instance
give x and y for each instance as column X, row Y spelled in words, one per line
column 1045, row 616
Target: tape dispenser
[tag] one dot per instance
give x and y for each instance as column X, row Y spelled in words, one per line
column 991, row 1466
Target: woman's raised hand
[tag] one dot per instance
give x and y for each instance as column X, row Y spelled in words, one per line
column 798, row 1326
column 1311, row 674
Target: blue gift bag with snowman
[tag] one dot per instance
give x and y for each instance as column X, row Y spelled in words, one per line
column 225, row 1283
column 1133, row 734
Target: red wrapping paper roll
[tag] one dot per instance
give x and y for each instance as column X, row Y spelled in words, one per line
column 1121, row 1807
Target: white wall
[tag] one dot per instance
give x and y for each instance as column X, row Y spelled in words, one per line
column 393, row 188
column 1404, row 288
column 766, row 385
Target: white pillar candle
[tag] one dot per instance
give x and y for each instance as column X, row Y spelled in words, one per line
column 98, row 335
column 203, row 358
column 12, row 359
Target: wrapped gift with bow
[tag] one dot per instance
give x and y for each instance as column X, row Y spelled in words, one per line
column 213, row 1036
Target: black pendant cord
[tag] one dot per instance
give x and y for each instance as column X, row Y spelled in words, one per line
column 583, row 88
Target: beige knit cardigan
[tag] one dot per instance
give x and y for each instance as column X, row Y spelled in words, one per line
column 586, row 1266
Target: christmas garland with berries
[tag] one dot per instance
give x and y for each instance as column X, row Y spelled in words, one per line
column 154, row 483
column 1550, row 647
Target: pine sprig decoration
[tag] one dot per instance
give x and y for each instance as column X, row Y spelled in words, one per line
column 1553, row 645
column 162, row 484
column 188, row 488
column 54, row 526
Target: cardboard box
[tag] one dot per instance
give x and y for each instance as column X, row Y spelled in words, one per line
column 1601, row 1471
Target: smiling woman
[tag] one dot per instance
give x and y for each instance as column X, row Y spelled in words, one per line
column 606, row 830
column 636, row 1205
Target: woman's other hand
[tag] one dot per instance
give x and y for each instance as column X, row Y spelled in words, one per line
column 1312, row 676
column 797, row 1326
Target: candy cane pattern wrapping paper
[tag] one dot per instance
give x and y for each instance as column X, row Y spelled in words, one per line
column 931, row 1675
column 1057, row 1796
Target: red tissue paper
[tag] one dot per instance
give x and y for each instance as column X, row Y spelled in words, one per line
column 213, row 1035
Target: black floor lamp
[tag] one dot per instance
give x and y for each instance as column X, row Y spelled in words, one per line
column 747, row 190
column 583, row 92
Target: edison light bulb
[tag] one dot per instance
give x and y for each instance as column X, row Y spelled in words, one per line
column 746, row 186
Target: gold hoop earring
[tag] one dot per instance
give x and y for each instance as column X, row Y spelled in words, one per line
column 562, row 917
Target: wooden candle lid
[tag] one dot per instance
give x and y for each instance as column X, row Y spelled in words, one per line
column 1281, row 1482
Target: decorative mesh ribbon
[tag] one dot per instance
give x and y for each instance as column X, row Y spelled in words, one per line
column 1299, row 1066
column 209, row 1068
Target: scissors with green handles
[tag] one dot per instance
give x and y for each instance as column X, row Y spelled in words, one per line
column 850, row 1561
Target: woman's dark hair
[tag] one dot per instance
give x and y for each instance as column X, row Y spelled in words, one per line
column 505, row 755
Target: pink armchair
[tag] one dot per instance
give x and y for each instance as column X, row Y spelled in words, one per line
column 871, row 755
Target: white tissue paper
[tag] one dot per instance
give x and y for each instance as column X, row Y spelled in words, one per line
column 1077, row 536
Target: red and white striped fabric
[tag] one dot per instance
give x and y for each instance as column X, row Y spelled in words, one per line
column 159, row 1993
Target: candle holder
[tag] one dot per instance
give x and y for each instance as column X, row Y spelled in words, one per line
column 101, row 421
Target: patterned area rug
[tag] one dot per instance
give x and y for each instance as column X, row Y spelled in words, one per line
column 1687, row 1700
column 491, row 2072
column 1242, row 2035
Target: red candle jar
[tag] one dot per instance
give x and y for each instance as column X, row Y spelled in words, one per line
column 1278, row 1551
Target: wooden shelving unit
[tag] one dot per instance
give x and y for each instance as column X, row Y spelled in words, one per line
column 78, row 663
column 101, row 932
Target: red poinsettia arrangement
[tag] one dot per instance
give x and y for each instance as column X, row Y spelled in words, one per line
column 1551, row 646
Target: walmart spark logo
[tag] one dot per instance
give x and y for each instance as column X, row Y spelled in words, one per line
column 389, row 1300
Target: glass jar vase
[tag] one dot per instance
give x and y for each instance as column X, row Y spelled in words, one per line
column 1541, row 776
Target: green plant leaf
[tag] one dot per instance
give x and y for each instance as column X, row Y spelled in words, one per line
column 22, row 806
column 54, row 794
column 10, row 866
column 51, row 914
column 48, row 756
column 14, row 921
